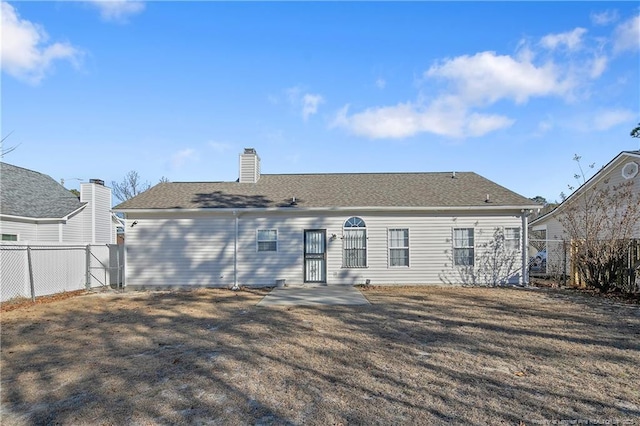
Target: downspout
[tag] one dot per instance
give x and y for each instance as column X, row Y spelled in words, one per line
column 125, row 246
column 235, row 253
column 525, row 247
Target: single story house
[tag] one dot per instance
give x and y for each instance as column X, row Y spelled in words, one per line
column 34, row 208
column 329, row 229
column 623, row 169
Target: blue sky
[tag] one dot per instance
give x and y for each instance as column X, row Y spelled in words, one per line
column 509, row 90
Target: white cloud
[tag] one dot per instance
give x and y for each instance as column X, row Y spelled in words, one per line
column 220, row 146
column 481, row 124
column 604, row 18
column 572, row 40
column 310, row 104
column 117, row 10
column 445, row 117
column 485, row 78
column 25, row 54
column 598, row 66
column 180, row 158
column 605, row 120
column 562, row 65
column 475, row 82
column 544, row 126
column 293, row 94
column 626, row 36
column 381, row 83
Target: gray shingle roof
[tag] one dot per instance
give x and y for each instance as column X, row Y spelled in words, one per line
column 27, row 193
column 332, row 190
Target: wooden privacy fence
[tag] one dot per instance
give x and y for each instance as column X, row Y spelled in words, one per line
column 630, row 268
column 32, row 270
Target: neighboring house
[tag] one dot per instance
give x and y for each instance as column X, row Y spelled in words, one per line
column 34, row 208
column 343, row 228
column 623, row 168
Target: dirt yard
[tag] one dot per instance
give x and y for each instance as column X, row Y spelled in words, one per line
column 415, row 356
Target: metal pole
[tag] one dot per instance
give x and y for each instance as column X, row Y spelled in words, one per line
column 31, row 283
column 88, row 270
column 118, row 266
column 564, row 263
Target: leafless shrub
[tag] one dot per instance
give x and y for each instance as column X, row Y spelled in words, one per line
column 599, row 221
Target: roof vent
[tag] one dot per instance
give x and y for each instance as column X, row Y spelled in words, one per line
column 630, row 170
column 453, row 175
column 293, row 201
column 97, row 181
column 487, row 199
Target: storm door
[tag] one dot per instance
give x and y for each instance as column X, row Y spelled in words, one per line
column 315, row 256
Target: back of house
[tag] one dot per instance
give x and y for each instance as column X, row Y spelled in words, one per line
column 326, row 229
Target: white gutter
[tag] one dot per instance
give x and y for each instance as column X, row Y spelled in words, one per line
column 525, row 247
column 235, row 253
column 41, row 219
column 118, row 219
column 330, row 209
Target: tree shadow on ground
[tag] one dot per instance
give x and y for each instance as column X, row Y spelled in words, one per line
column 417, row 355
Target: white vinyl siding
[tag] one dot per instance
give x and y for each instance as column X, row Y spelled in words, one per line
column 197, row 249
column 48, row 232
column 25, row 231
column 398, row 247
column 72, row 231
column 267, row 240
column 463, row 247
column 97, row 214
column 183, row 251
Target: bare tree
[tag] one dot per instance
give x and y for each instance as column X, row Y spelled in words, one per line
column 130, row 186
column 4, row 151
column 599, row 221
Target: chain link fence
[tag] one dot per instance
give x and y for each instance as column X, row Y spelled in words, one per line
column 549, row 259
column 29, row 271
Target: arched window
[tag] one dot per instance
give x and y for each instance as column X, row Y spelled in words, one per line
column 354, row 243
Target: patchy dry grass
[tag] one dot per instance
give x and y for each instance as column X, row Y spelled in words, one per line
column 415, row 356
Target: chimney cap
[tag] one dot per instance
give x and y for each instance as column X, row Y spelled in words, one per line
column 249, row 151
column 97, row 181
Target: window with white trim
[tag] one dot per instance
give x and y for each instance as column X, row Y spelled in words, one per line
column 354, row 243
column 398, row 247
column 267, row 239
column 463, row 252
column 9, row 237
column 512, row 239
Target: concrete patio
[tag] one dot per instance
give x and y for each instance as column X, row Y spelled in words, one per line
column 315, row 295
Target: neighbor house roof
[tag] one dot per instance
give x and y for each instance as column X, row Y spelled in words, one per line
column 31, row 194
column 589, row 183
column 462, row 189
